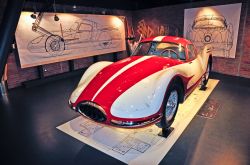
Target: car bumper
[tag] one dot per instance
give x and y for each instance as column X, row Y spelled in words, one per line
column 121, row 123
column 135, row 124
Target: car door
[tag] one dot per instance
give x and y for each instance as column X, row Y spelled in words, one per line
column 194, row 66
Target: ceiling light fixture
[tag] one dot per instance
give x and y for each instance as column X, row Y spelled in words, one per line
column 56, row 18
column 74, row 7
column 33, row 15
column 103, row 12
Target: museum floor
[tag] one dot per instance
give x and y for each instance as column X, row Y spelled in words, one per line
column 29, row 117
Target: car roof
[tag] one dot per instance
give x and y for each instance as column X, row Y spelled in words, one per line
column 174, row 39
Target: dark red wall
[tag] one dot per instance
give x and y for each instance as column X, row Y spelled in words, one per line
column 173, row 16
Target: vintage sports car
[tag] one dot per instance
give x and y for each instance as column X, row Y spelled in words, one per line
column 145, row 88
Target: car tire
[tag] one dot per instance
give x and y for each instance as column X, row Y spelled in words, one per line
column 170, row 106
column 205, row 77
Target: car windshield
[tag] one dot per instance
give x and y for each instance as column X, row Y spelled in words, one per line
column 165, row 49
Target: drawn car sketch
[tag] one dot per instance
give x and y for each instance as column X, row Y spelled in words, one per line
column 83, row 33
column 212, row 30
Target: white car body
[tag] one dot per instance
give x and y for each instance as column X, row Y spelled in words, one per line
column 131, row 92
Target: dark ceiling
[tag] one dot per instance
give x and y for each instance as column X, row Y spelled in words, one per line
column 118, row 4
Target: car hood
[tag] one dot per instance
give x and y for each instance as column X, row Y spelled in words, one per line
column 117, row 78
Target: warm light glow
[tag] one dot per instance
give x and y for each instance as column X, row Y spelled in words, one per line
column 163, row 45
column 27, row 19
column 208, row 17
column 117, row 22
column 180, row 48
column 208, row 11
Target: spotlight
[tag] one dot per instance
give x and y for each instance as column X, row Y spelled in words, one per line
column 56, row 18
column 74, row 7
column 33, row 15
column 103, row 12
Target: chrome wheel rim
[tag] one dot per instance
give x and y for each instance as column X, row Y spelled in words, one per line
column 207, row 72
column 171, row 105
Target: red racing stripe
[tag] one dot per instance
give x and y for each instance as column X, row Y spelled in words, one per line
column 102, row 77
column 130, row 77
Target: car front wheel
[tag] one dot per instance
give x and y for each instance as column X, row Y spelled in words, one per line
column 171, row 104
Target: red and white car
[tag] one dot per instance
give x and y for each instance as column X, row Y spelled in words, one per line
column 144, row 88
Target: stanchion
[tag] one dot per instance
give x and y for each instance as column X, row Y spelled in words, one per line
column 166, row 132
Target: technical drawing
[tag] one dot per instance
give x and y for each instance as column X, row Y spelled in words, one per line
column 131, row 143
column 212, row 30
column 88, row 128
column 83, row 33
column 121, row 141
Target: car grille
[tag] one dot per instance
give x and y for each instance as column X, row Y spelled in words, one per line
column 92, row 111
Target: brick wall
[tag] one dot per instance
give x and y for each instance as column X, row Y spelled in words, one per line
column 83, row 62
column 174, row 16
column 244, row 68
column 17, row 75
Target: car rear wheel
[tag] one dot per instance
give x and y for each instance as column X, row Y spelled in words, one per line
column 171, row 104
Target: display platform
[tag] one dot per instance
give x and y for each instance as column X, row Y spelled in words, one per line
column 137, row 146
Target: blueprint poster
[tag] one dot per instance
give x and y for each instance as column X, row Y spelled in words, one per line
column 44, row 40
column 216, row 26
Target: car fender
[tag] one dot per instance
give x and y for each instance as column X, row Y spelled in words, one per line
column 88, row 75
column 144, row 98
